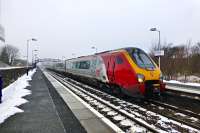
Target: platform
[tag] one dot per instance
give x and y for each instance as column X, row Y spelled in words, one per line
column 52, row 109
column 89, row 119
column 42, row 113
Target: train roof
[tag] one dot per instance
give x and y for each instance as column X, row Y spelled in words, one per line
column 108, row 51
column 115, row 50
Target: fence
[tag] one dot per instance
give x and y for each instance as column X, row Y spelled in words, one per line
column 10, row 74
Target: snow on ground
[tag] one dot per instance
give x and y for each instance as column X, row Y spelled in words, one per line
column 12, row 96
column 178, row 82
column 189, row 78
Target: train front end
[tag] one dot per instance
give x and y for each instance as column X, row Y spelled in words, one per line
column 148, row 75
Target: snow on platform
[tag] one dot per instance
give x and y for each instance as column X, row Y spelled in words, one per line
column 12, row 96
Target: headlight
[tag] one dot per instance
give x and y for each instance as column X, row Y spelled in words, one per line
column 140, row 78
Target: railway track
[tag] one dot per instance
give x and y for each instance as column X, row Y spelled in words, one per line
column 122, row 119
column 184, row 111
column 183, row 116
column 143, row 117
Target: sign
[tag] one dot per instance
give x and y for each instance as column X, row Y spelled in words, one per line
column 159, row 53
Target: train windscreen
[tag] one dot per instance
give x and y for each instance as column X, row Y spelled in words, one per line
column 141, row 58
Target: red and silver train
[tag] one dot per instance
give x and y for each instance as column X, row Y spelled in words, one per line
column 129, row 70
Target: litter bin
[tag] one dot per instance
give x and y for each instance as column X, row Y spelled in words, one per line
column 1, row 87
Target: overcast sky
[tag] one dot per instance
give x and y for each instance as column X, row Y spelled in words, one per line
column 63, row 27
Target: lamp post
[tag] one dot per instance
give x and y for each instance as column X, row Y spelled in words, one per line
column 35, row 61
column 159, row 47
column 34, row 55
column 94, row 48
column 64, row 62
column 32, row 39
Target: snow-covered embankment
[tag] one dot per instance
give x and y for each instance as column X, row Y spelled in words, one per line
column 12, row 96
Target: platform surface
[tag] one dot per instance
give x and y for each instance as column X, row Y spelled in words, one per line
column 92, row 122
column 45, row 112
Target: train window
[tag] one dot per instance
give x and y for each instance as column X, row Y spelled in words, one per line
column 99, row 62
column 94, row 62
column 87, row 65
column 84, row 65
column 119, row 60
column 77, row 65
column 74, row 65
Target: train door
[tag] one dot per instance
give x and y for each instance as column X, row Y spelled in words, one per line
column 119, row 70
column 124, row 75
column 111, row 69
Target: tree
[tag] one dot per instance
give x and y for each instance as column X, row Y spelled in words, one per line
column 195, row 59
column 4, row 56
column 9, row 54
column 179, row 60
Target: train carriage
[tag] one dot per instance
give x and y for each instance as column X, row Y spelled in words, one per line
column 129, row 69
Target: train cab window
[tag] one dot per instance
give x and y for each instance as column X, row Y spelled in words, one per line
column 142, row 59
column 119, row 60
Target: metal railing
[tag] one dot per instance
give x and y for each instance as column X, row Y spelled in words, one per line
column 183, row 87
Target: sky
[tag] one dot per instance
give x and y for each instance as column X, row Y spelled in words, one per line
column 66, row 27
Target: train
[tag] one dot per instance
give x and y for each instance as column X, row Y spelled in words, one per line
column 128, row 71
